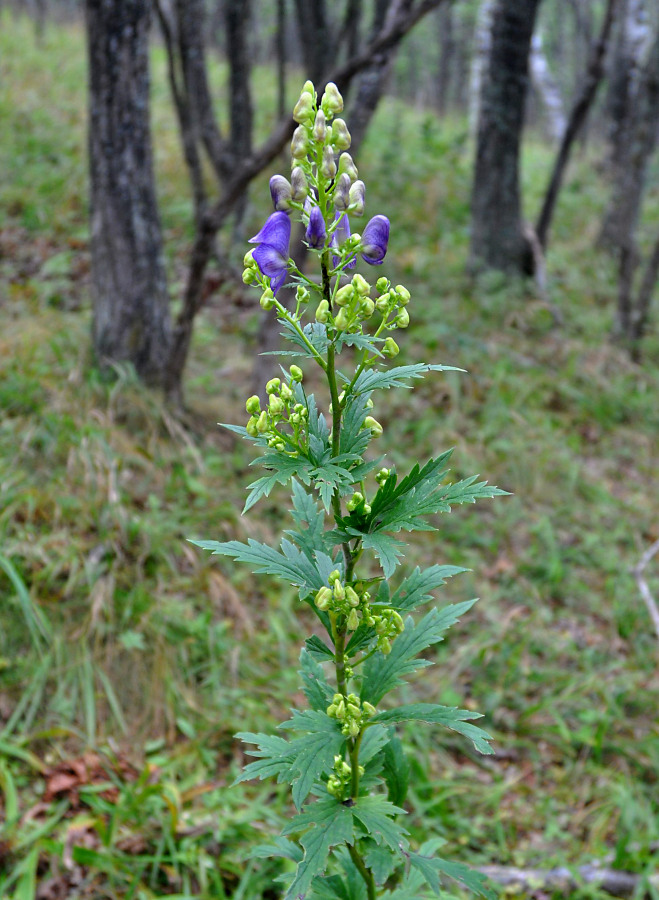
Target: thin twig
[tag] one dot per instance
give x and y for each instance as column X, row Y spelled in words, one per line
column 638, row 571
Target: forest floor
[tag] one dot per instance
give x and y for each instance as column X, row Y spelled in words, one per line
column 128, row 659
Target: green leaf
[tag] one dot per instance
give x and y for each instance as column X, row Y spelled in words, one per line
column 282, row 469
column 376, row 815
column 396, row 769
column 373, row 741
column 415, row 589
column 275, row 757
column 380, row 860
column 280, row 847
column 315, row 332
column 387, row 549
column 398, row 376
column 449, row 716
column 291, row 565
column 332, row 824
column 361, row 341
column 355, row 438
column 314, row 684
column 432, row 867
column 313, row 753
column 309, row 519
column 383, row 673
column 318, row 648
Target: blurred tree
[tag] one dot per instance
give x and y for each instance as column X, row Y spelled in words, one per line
column 129, row 286
column 497, row 235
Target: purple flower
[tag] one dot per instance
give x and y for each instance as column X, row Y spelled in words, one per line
column 316, row 231
column 340, row 236
column 281, row 192
column 375, row 238
column 271, row 255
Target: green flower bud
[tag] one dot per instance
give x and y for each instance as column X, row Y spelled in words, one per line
column 341, row 320
column 382, row 476
column 353, row 621
column 250, row 428
column 253, row 405
column 352, row 597
column 303, row 110
column 328, row 166
column 248, row 260
column 286, row 393
column 353, row 729
column 262, row 422
column 340, row 709
column 334, row 575
column 302, row 294
column 308, row 88
column 332, row 101
column 353, row 709
column 276, row 405
column 272, row 386
column 357, row 198
column 340, row 138
column 320, row 128
column 361, row 285
column 382, row 284
column 322, row 312
column 383, row 303
column 344, row 295
column 347, row 165
column 403, row 295
column 249, row 276
column 384, row 646
column 354, row 240
column 299, row 143
column 367, row 508
column 390, row 348
column 402, row 318
column 356, row 500
column 374, row 425
column 296, row 373
column 366, row 308
column 339, row 591
column 281, row 446
column 267, row 300
column 324, row 598
column 368, row 709
column 299, row 185
column 337, row 698
column 369, row 403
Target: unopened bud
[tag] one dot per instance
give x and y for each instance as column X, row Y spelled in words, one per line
column 340, row 135
column 383, row 303
column 353, row 729
column 339, row 591
column 286, row 393
column 302, row 294
column 296, row 373
column 366, row 308
column 281, row 192
column 276, row 405
column 403, row 294
column 262, row 422
column 332, row 101
column 384, row 645
column 357, row 198
column 352, row 596
column 248, row 259
column 402, row 318
column 249, row 276
column 267, row 300
column 361, row 285
column 253, row 405
column 303, row 110
column 299, row 143
column 299, row 184
column 382, row 284
column 347, row 165
column 328, row 166
column 374, row 425
column 320, row 127
column 344, row 295
column 342, row 192
column 334, row 575
column 382, row 476
column 352, row 623
column 356, row 500
column 323, row 598
column 272, row 386
column 390, row 348
column 341, row 320
column 368, row 708
column 308, row 88
column 322, row 312
column 250, row 428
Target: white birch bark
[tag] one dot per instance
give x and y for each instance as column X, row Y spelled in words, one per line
column 479, row 61
column 547, row 88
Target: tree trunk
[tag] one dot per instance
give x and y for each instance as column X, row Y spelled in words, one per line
column 129, row 287
column 315, row 37
column 547, row 88
column 240, row 98
column 497, row 238
column 446, row 55
column 479, row 61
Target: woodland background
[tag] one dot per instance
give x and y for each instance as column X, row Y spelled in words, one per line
column 127, row 659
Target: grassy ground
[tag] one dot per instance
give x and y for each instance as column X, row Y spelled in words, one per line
column 128, row 660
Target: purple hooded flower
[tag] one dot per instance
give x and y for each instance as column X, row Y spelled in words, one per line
column 316, row 231
column 375, row 238
column 340, row 236
column 271, row 255
column 281, row 192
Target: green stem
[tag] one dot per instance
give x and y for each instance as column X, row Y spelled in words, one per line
column 284, row 313
column 366, row 873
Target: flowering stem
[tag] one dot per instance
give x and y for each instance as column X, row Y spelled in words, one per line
column 284, row 313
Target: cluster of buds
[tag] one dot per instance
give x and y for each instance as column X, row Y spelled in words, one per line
column 281, row 408
column 391, row 304
column 388, row 624
column 351, row 712
column 343, row 600
column 339, row 782
column 355, row 304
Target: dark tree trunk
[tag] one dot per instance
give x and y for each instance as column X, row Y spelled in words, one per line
column 315, row 37
column 129, row 286
column 497, row 238
column 281, row 58
column 576, row 121
column 240, row 98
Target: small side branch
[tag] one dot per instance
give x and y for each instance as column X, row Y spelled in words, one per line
column 639, row 575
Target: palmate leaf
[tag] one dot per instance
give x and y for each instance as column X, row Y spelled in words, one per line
column 449, row 716
column 281, row 469
column 314, row 752
column 377, row 817
column 280, row 847
column 291, row 565
column 310, row 521
column 315, row 332
column 390, row 493
column 332, row 824
column 387, row 549
column 398, row 376
column 380, row 861
column 432, row 867
column 275, row 757
column 396, row 770
column 383, row 673
column 415, row 589
column 319, row 649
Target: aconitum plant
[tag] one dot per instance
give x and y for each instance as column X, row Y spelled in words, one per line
column 342, row 756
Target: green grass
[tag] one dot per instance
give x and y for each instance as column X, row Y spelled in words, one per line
column 117, row 634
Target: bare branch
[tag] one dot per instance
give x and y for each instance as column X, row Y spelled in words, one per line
column 639, row 575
